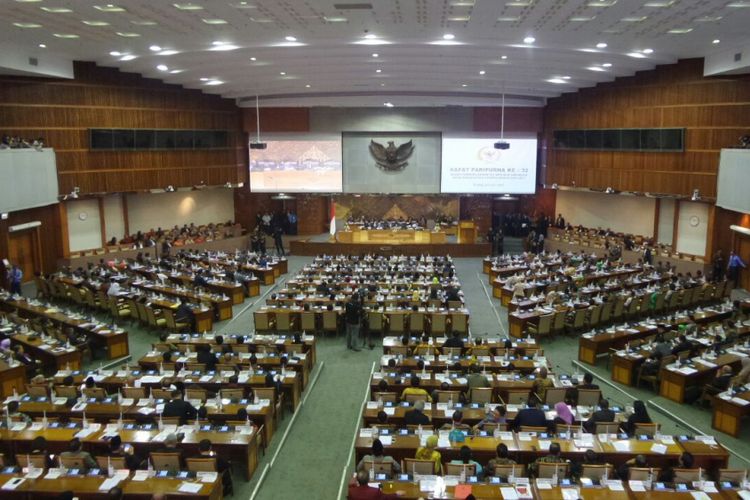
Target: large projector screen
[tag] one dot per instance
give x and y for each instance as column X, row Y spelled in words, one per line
column 734, row 178
column 28, row 179
column 473, row 165
column 297, row 164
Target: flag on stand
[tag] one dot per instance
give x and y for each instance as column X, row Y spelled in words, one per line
column 333, row 218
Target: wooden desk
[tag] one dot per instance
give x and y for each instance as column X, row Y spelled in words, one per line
column 728, row 414
column 391, row 236
column 674, row 383
column 222, row 306
column 52, row 358
column 115, row 344
column 12, row 378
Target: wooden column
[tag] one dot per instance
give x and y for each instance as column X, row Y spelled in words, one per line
column 675, row 225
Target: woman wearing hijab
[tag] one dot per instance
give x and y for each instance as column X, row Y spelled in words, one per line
column 428, row 452
column 639, row 416
column 743, row 377
column 564, row 415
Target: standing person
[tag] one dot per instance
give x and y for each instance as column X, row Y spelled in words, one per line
column 292, row 218
column 278, row 240
column 718, row 265
column 498, row 242
column 353, row 315
column 491, row 239
column 734, row 267
column 15, row 276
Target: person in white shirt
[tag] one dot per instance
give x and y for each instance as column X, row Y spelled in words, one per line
column 114, row 289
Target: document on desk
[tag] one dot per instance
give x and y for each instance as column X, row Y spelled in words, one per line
column 509, row 493
column 544, row 444
column 386, row 440
column 615, row 485
column 658, row 448
column 53, row 473
column 636, row 486
column 744, row 494
column 140, row 475
column 710, row 440
column 621, row 446
column 569, row 493
column 686, row 370
column 700, row 495
column 186, row 487
column 740, row 401
column 13, row 483
column 390, row 410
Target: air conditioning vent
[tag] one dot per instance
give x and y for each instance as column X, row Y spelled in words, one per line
column 738, row 57
column 33, row 61
column 352, row 6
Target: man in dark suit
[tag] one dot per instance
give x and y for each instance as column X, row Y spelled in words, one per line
column 416, row 416
column 683, row 344
column 454, row 341
column 205, row 356
column 603, row 414
column 588, row 382
column 176, row 407
column 531, row 416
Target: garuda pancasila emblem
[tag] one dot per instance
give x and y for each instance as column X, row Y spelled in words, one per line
column 391, row 158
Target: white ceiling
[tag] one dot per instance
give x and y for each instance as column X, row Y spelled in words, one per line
column 328, row 57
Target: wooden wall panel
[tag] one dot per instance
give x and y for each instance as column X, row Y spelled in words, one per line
column 276, row 120
column 715, row 112
column 312, row 214
column 50, row 231
column 62, row 111
column 517, row 120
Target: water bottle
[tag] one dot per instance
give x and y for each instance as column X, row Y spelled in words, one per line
column 462, row 476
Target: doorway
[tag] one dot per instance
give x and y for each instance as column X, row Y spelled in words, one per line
column 24, row 251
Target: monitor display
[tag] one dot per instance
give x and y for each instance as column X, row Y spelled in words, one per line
column 297, row 165
column 473, row 165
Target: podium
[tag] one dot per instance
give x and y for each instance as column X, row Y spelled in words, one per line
column 467, row 231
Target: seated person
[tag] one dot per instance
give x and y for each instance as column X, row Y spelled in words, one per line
column 531, row 416
column 719, row 384
column 501, row 458
column 588, row 382
column 429, row 452
column 378, row 456
column 639, row 462
column 39, row 447
column 454, row 341
column 414, row 389
column 416, row 416
column 466, row 458
column 686, row 461
column 542, row 383
column 222, row 465
column 603, row 414
column 75, row 451
column 361, row 489
column 640, row 416
column 496, row 415
column 15, row 415
column 553, row 457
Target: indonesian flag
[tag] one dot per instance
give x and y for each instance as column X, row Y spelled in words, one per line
column 333, row 218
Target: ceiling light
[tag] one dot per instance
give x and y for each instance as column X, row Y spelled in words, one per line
column 601, row 45
column 335, row 19
column 28, row 1
column 378, row 70
column 176, row 71
column 388, row 104
column 307, row 86
column 204, row 79
column 109, row 8
column 449, row 36
column 648, row 51
column 716, row 41
column 187, row 6
column 482, row 72
column 155, row 48
column 462, row 3
column 282, row 73
column 463, row 85
column 376, row 55
column 370, row 39
column 56, row 10
column 445, row 42
column 566, row 77
column 126, row 34
column 253, row 59
column 459, row 19
column 214, row 82
column 168, row 52
column 96, row 23
column 290, row 38
column 27, row 25
column 143, row 22
column 214, row 21
column 65, row 35
column 556, row 80
column 244, row 5
column 382, row 84
column 601, row 3
column 503, row 57
column 582, row 19
column 162, row 67
column 607, row 65
column 519, row 3
column 634, row 19
column 529, row 40
column 636, row 55
column 42, row 46
column 739, row 5
column 370, row 36
column 679, row 31
column 115, row 53
column 223, row 47
column 708, row 19
column 595, row 68
column 659, row 4
column 128, row 57
column 508, row 19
